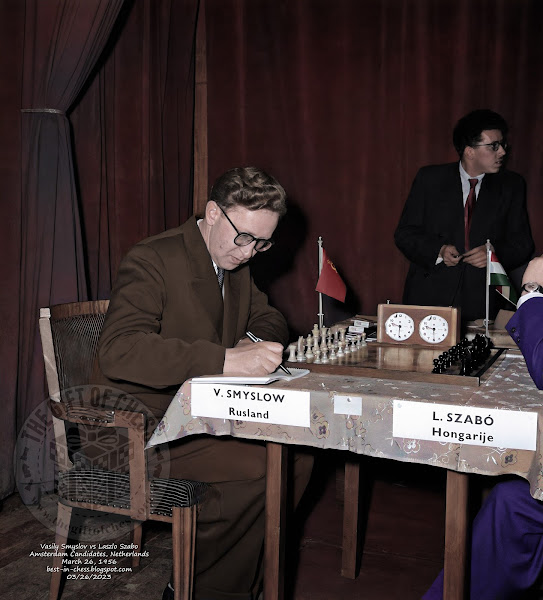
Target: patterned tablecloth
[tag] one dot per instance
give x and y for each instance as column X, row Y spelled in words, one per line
column 508, row 386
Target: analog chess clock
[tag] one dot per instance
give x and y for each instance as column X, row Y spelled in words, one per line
column 411, row 325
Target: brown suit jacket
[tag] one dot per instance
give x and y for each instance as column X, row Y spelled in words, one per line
column 167, row 320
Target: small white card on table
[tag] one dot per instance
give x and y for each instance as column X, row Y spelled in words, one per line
column 348, row 405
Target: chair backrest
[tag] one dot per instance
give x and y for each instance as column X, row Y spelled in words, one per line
column 69, row 335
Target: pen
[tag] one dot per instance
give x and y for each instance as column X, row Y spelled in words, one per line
column 253, row 338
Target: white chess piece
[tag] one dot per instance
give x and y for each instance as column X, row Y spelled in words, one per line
column 292, row 355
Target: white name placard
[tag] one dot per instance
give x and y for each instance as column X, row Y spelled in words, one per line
column 244, row 403
column 465, row 425
column 347, row 405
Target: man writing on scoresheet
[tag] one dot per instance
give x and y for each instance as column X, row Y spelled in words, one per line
column 181, row 306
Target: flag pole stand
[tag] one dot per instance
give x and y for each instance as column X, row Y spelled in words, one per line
column 320, row 314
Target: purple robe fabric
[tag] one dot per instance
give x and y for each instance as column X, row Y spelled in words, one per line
column 507, row 537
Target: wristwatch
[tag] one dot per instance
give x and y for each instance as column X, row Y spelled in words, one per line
column 532, row 286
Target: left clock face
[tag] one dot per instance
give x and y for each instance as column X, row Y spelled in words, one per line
column 399, row 326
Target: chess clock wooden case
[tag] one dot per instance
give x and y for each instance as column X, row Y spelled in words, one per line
column 411, row 325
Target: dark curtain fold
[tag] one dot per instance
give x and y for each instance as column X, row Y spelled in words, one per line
column 133, row 136
column 343, row 101
column 63, row 41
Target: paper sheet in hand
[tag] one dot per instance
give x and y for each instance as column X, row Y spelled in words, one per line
column 257, row 380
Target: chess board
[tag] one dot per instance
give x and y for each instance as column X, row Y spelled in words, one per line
column 359, row 358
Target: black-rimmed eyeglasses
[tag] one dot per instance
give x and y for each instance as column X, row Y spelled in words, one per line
column 494, row 146
column 244, row 239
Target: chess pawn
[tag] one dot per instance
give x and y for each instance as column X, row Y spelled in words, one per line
column 324, row 356
column 340, row 349
column 292, row 355
column 333, row 354
column 309, row 354
column 301, row 355
column 363, row 340
column 317, row 360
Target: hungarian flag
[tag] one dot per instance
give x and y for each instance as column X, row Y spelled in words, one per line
column 498, row 277
column 330, row 283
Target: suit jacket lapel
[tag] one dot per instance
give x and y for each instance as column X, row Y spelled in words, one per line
column 204, row 279
column 484, row 207
column 235, row 304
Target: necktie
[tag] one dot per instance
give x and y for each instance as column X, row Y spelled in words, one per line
column 220, row 276
column 468, row 211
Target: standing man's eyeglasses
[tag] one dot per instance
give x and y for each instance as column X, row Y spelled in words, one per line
column 244, row 239
column 494, row 146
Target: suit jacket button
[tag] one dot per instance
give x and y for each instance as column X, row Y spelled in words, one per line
column 513, row 329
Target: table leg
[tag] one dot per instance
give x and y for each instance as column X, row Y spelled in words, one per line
column 274, row 550
column 456, row 523
column 351, row 499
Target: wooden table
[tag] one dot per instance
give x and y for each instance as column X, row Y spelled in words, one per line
column 507, row 385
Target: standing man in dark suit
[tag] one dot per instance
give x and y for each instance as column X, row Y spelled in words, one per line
column 507, row 537
column 181, row 306
column 453, row 209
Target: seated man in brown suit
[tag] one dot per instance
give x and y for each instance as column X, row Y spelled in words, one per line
column 180, row 308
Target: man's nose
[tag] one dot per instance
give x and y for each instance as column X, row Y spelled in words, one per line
column 248, row 250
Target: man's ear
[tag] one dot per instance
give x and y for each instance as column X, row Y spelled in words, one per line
column 469, row 153
column 212, row 212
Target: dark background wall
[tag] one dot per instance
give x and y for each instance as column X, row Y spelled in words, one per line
column 341, row 100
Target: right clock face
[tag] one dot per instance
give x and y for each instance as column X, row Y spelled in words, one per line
column 433, row 329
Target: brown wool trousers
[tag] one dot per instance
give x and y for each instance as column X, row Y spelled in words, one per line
column 230, row 530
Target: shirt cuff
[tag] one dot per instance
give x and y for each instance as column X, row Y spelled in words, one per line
column 523, row 299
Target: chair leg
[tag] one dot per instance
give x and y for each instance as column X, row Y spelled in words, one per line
column 178, row 547
column 64, row 516
column 183, row 546
column 137, row 530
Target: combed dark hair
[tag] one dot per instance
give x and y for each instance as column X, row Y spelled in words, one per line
column 467, row 131
column 250, row 188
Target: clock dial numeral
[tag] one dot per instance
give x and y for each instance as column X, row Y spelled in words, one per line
column 399, row 326
column 433, row 329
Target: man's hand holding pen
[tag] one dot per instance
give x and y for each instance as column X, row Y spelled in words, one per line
column 253, row 358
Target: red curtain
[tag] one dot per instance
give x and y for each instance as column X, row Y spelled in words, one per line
column 133, row 136
column 63, row 41
column 344, row 100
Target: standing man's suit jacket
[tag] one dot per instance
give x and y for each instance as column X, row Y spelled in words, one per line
column 526, row 328
column 167, row 321
column 433, row 216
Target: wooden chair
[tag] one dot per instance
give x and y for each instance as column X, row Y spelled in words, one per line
column 69, row 334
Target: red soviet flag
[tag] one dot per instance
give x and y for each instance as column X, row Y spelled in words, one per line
column 330, row 283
